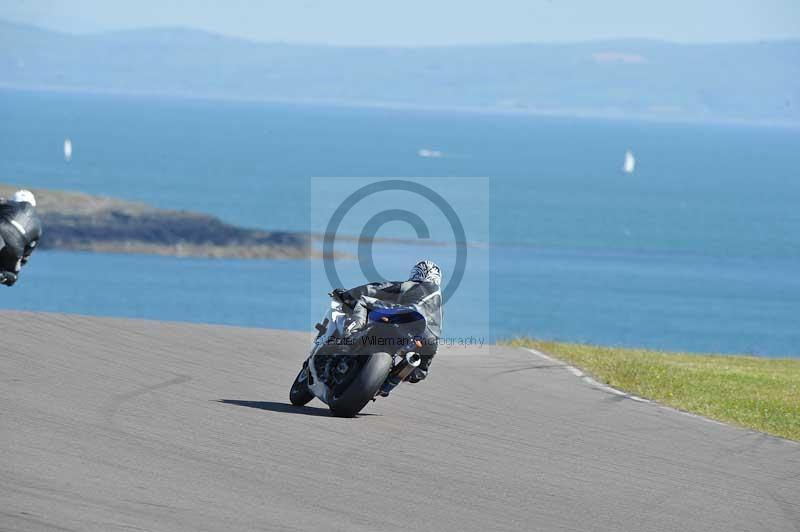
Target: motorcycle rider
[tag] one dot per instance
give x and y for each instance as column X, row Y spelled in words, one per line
column 20, row 230
column 422, row 292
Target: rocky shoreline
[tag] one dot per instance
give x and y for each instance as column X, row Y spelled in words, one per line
column 81, row 222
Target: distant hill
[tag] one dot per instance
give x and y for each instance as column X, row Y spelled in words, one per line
column 75, row 221
column 750, row 82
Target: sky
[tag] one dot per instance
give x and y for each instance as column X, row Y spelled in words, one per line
column 427, row 22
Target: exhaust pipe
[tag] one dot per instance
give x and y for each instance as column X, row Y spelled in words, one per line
column 406, row 365
column 403, row 367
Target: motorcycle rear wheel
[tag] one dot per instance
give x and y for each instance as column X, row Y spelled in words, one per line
column 363, row 388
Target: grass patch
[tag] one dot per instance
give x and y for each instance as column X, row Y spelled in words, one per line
column 757, row 393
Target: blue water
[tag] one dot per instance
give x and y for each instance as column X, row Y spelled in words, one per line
column 697, row 250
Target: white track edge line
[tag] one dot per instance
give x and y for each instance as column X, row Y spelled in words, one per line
column 606, row 388
column 587, row 379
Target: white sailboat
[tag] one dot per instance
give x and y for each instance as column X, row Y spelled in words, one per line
column 630, row 162
column 67, row 150
column 425, row 152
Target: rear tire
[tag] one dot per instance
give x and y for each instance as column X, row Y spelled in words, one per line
column 300, row 395
column 363, row 388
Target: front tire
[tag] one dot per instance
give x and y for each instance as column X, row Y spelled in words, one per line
column 363, row 388
column 300, row 395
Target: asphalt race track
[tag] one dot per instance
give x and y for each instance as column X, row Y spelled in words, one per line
column 120, row 425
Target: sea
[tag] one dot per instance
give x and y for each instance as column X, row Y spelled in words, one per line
column 697, row 249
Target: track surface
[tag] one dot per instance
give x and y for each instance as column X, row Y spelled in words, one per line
column 118, row 425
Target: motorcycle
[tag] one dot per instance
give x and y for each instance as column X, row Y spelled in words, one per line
column 346, row 372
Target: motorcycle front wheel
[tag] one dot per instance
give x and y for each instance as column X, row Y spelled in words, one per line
column 363, row 388
column 300, row 395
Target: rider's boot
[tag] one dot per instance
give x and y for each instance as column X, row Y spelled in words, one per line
column 390, row 384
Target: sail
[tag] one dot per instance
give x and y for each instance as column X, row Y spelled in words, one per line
column 630, row 162
column 67, row 150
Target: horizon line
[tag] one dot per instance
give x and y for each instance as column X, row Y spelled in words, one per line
column 484, row 44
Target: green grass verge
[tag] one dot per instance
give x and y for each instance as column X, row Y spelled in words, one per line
column 758, row 393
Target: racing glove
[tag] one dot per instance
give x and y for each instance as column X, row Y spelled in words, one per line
column 344, row 297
